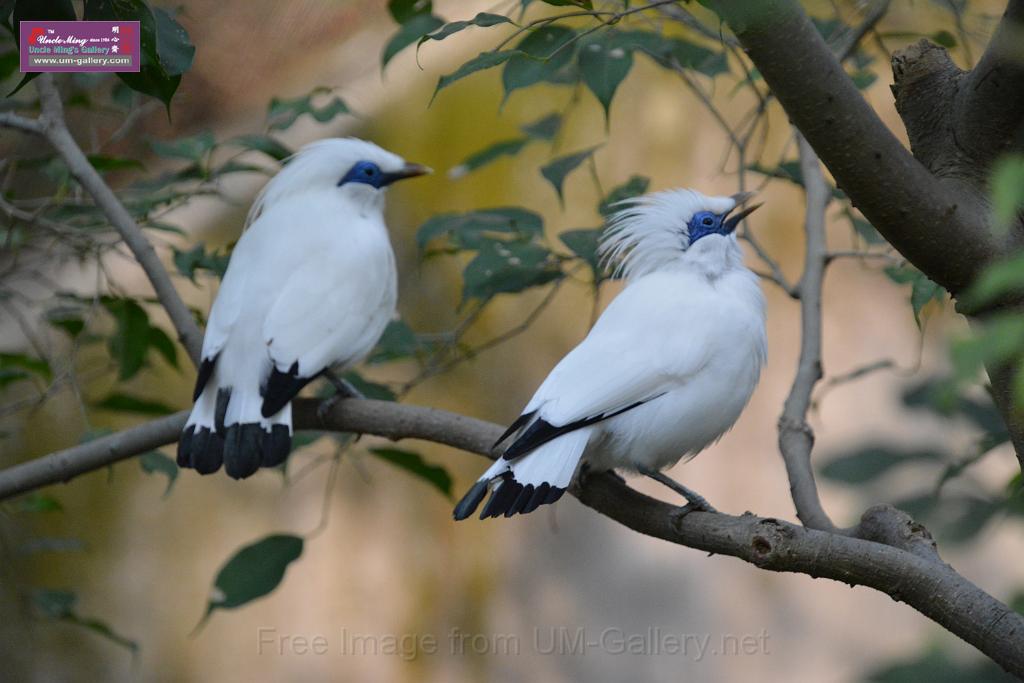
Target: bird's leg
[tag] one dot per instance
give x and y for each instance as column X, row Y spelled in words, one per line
column 694, row 501
column 342, row 389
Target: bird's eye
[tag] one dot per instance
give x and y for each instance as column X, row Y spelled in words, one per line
column 369, row 171
column 707, row 221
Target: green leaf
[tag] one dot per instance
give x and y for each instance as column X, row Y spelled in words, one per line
column 374, row 390
column 157, row 462
column 556, row 171
column 673, row 53
column 66, row 318
column 488, row 155
column 539, row 57
column 130, row 342
column 194, row 148
column 404, row 10
column 995, row 342
column 603, row 66
column 9, row 62
column 36, row 10
column 162, row 344
column 944, row 38
column 269, row 145
column 124, row 403
column 167, row 51
column 1007, row 190
column 867, row 232
column 997, row 280
column 411, row 31
column 469, row 230
column 484, row 60
column 634, row 187
column 507, row 267
column 254, row 571
column 483, row 20
column 584, row 243
column 544, row 128
column 104, row 163
column 398, row 342
column 38, row 502
column 17, row 366
column 863, row 78
column 585, row 4
column 197, row 258
column 871, row 462
column 922, row 290
column 413, row 463
column 282, row 113
column 59, row 605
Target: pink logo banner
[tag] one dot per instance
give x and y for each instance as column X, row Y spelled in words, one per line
column 80, row 46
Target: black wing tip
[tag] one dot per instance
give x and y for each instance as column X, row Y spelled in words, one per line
column 201, row 449
column 508, row 498
column 203, row 375
column 469, row 503
column 281, row 388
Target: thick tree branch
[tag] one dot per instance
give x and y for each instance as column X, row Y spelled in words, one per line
column 990, row 108
column 796, row 439
column 11, row 120
column 917, row 578
column 54, row 128
column 935, row 222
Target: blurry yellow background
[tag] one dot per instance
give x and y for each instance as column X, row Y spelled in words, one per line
column 391, row 562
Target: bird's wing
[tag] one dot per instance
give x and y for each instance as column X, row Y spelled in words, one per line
column 634, row 354
column 324, row 315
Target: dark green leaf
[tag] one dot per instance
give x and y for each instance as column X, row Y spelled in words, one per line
column 603, row 66
column 969, row 516
column 411, row 31
column 9, row 62
column 935, row 666
column 14, row 366
column 173, row 45
column 195, row 148
column 483, row 20
column 867, row 232
column 38, row 502
column 197, row 258
column 267, row 144
column 488, row 155
column 556, row 171
column 484, row 60
column 673, row 52
column 944, row 38
column 863, row 78
column 413, row 463
column 378, row 392
column 469, row 230
column 59, row 605
column 283, row 113
column 66, row 318
column 634, row 187
column 123, row 403
column 131, row 340
column 998, row 341
column 404, row 10
column 253, row 571
column 997, row 280
column 868, row 463
column 105, row 163
column 545, row 128
column 584, row 244
column 540, row 57
column 1007, row 185
column 922, row 290
column 157, row 462
column 585, row 4
column 162, row 344
column 397, row 342
column 505, row 267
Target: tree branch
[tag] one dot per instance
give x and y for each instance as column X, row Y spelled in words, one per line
column 11, row 120
column 796, row 438
column 917, row 578
column 936, row 223
column 990, row 107
column 54, row 127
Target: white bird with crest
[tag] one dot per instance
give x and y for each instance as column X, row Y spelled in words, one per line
column 311, row 285
column 664, row 373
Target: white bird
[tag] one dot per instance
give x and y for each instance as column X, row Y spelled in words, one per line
column 664, row 373
column 311, row 285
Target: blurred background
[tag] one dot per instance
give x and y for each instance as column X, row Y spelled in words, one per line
column 495, row 597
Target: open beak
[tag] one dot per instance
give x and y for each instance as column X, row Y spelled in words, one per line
column 407, row 171
column 740, row 198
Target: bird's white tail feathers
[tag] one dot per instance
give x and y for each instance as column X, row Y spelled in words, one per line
column 521, row 485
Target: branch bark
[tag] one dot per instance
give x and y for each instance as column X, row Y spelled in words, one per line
column 53, row 127
column 796, row 438
column 898, row 562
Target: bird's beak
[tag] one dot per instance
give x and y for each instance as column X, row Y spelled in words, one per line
column 407, row 171
column 740, row 198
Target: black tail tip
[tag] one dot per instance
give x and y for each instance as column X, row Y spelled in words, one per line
column 241, row 448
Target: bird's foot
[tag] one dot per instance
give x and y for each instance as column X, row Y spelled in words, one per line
column 694, row 501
